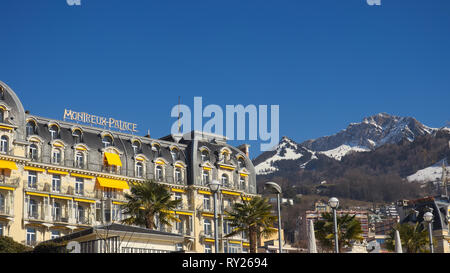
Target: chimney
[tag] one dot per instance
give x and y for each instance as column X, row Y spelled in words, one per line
column 245, row 149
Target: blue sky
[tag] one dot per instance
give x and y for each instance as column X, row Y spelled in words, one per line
column 326, row 63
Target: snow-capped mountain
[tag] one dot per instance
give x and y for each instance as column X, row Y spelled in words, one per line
column 372, row 132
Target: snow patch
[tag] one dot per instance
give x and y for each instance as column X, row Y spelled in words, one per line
column 429, row 174
column 339, row 152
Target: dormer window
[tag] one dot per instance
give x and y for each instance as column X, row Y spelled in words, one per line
column 175, row 154
column 136, row 147
column 2, row 115
column 157, row 150
column 30, row 128
column 77, row 136
column 107, row 141
column 53, row 130
column 2, row 93
column 204, row 155
column 241, row 163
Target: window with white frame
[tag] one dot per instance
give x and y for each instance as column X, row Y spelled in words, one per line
column 175, row 154
column 179, row 196
column 4, row 144
column 208, row 248
column 79, row 160
column 136, row 147
column 159, row 172
column 79, row 186
column 77, row 136
column 57, row 211
column 81, row 217
column 225, row 181
column 178, row 176
column 242, row 182
column 2, row 203
column 2, row 229
column 32, row 209
column 204, row 155
column 56, row 156
column 107, row 141
column 241, row 163
column 206, row 202
column 205, row 177
column 33, row 152
column 31, row 236
column 56, row 183
column 139, row 169
column 32, row 179
column 53, row 130
column 55, row 234
column 30, row 128
column 207, row 227
column 117, row 212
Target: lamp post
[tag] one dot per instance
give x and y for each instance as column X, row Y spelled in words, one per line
column 214, row 186
column 428, row 217
column 277, row 189
column 334, row 203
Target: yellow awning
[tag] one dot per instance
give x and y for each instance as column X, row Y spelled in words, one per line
column 6, row 164
column 112, row 183
column 57, row 172
column 113, row 159
column 177, row 190
column 231, row 193
column 205, row 192
column 61, row 197
column 184, row 213
column 81, row 175
column 29, row 168
column 37, row 194
column 7, row 188
column 84, row 200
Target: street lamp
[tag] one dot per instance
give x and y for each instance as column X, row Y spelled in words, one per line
column 334, row 203
column 277, row 189
column 214, row 186
column 428, row 217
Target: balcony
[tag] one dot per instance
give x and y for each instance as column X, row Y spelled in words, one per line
column 34, row 215
column 83, row 221
column 60, row 219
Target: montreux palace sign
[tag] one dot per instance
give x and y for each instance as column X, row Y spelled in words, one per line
column 111, row 123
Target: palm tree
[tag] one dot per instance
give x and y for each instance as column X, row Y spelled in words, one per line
column 414, row 238
column 253, row 217
column 147, row 201
column 349, row 230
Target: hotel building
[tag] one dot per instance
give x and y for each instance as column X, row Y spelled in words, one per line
column 58, row 177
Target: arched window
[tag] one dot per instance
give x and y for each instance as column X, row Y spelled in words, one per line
column 175, row 154
column 178, row 176
column 30, row 128
column 241, row 163
column 107, row 141
column 159, row 173
column 157, row 150
column 139, row 169
column 205, row 155
column 33, row 152
column 136, row 147
column 54, row 131
column 79, row 160
column 56, row 156
column 77, row 136
column 225, row 181
column 4, row 144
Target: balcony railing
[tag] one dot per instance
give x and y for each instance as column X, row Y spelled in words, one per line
column 60, row 219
